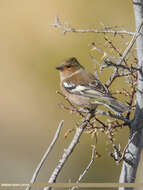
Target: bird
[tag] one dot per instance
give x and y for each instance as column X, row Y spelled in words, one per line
column 83, row 89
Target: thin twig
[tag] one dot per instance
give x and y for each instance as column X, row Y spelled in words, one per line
column 37, row 170
column 114, row 47
column 101, row 122
column 132, row 69
column 67, row 29
column 133, row 40
column 126, row 147
column 70, row 149
column 112, row 77
column 118, row 156
column 87, row 168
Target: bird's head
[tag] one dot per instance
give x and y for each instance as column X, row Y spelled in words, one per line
column 68, row 67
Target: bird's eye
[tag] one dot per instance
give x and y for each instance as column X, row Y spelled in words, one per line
column 68, row 66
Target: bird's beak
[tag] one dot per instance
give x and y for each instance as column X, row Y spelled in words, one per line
column 60, row 67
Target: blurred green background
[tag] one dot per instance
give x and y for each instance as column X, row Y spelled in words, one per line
column 30, row 49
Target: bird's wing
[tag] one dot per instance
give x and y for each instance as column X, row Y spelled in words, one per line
column 94, row 89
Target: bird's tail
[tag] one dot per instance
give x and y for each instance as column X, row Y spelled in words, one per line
column 117, row 106
column 113, row 104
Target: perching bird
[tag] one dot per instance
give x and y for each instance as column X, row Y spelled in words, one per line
column 83, row 89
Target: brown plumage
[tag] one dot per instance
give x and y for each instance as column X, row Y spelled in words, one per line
column 82, row 88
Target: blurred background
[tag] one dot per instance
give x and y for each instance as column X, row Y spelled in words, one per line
column 30, row 49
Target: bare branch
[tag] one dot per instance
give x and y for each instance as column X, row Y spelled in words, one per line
column 112, row 77
column 114, row 47
column 127, row 50
column 118, row 156
column 37, row 170
column 126, row 147
column 119, row 70
column 106, row 30
column 131, row 69
column 128, row 173
column 87, row 168
column 132, row 42
column 70, row 149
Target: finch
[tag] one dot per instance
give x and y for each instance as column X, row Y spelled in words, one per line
column 84, row 89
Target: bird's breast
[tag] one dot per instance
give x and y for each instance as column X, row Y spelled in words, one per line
column 76, row 99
